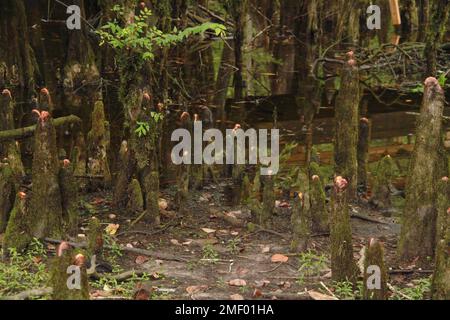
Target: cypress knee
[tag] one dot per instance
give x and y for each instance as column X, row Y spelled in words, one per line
column 18, row 234
column 268, row 202
column 98, row 144
column 382, row 183
column 418, row 234
column 375, row 272
column 69, row 197
column 301, row 224
column 319, row 212
column 343, row 267
column 46, row 218
column 68, row 277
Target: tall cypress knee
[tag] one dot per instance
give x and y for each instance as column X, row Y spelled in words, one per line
column 46, row 218
column 418, row 232
column 343, row 267
column 346, row 125
column 319, row 212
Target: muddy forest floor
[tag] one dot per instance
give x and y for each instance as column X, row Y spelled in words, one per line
column 204, row 257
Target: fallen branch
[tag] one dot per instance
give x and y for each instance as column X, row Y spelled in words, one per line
column 27, row 294
column 391, row 287
column 21, row 133
column 155, row 254
column 365, row 218
column 286, row 296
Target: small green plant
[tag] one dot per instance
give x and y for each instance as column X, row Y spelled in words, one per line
column 344, row 290
column 233, row 245
column 210, row 254
column 311, row 264
column 418, row 291
column 143, row 128
column 23, row 271
column 141, row 38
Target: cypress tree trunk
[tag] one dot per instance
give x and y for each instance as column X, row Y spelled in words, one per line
column 418, row 234
column 301, row 224
column 440, row 10
column 346, row 123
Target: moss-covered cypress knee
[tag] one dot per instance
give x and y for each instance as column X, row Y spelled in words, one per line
column 7, row 193
column 268, row 201
column 375, row 272
column 319, row 212
column 10, row 149
column 46, row 218
column 98, row 144
column 69, row 197
column 78, row 156
column 68, row 277
column 18, row 234
column 135, row 202
column 440, row 288
column 301, row 224
column 418, row 234
column 245, row 190
column 94, row 237
column 382, row 183
column 343, row 267
column 346, row 125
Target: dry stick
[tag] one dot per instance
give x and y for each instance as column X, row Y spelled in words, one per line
column 272, row 270
column 156, row 254
column 365, row 218
column 328, row 290
column 287, row 296
column 391, row 287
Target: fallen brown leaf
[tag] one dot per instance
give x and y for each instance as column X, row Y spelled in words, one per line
column 195, row 289
column 141, row 259
column 279, row 258
column 237, row 283
column 236, row 297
